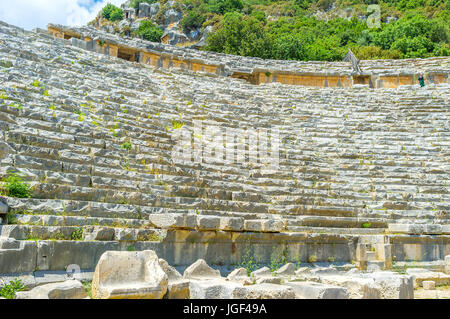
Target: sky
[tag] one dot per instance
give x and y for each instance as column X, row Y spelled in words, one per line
column 30, row 14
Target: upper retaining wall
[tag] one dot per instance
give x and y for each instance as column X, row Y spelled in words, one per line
column 375, row 74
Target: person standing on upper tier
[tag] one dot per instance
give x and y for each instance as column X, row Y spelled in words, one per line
column 421, row 80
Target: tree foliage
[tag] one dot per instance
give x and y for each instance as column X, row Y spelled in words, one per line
column 149, row 31
column 112, row 13
column 290, row 30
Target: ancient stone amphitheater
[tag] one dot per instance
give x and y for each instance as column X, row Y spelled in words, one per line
column 355, row 179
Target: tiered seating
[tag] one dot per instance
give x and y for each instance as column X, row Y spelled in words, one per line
column 352, row 161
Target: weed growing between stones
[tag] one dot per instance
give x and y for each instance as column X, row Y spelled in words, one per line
column 9, row 291
column 278, row 259
column 6, row 64
column 126, row 146
column 77, row 234
column 248, row 260
column 14, row 186
column 177, row 125
column 312, row 259
column 11, row 217
column 88, row 287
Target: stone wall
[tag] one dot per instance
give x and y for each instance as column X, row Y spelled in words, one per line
column 316, row 74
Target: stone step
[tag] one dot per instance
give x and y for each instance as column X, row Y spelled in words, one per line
column 84, row 233
column 333, row 230
column 345, row 222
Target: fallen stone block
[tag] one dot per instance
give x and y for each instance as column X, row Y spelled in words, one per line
column 213, row 289
column 303, row 270
column 240, row 275
column 129, row 275
column 264, row 291
column 324, row 271
column 314, row 290
column 70, row 289
column 420, row 275
column 286, row 270
column 393, row 285
column 269, row 280
column 429, row 285
column 262, row 272
column 201, row 270
column 357, row 288
column 178, row 288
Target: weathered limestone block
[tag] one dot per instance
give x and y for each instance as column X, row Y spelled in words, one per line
column 429, row 285
column 171, row 16
column 264, row 291
column 14, row 231
column 98, row 233
column 18, row 260
column 213, row 289
column 447, row 265
column 303, row 270
column 421, row 274
column 144, row 10
column 178, row 288
column 261, row 272
column 173, row 220
column 240, row 275
column 416, row 229
column 393, row 285
column 4, row 208
column 201, row 270
column 5, row 150
column 129, row 275
column 232, row 223
column 70, row 289
column 208, row 222
column 324, row 271
column 9, row 243
column 357, row 288
column 268, row 225
column 268, row 280
column 314, row 290
column 286, row 270
column 125, row 234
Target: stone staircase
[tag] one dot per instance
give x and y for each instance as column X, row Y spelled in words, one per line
column 93, row 135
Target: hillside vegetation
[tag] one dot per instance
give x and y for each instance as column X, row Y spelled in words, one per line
column 318, row 30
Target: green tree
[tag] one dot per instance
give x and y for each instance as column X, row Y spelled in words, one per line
column 224, row 6
column 112, row 13
column 242, row 36
column 149, row 31
column 191, row 21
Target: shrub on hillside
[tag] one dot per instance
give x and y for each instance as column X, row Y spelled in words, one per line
column 149, row 31
column 191, row 21
column 112, row 13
